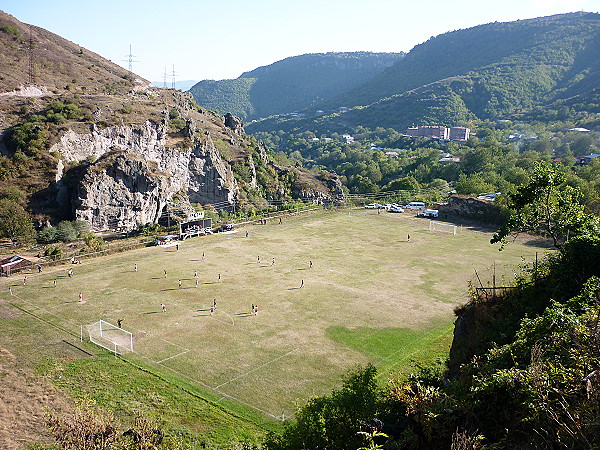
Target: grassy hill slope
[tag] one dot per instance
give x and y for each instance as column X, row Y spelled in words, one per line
column 291, row 84
column 483, row 72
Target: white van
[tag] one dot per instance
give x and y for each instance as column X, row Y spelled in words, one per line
column 415, row 205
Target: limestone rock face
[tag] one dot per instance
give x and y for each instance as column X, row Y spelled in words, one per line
column 235, row 123
column 122, row 191
column 111, row 194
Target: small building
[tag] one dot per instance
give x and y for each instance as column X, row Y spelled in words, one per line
column 578, row 130
column 13, row 264
column 585, row 160
column 459, row 133
column 347, row 139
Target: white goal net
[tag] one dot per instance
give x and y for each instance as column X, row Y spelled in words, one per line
column 443, row 227
column 110, row 336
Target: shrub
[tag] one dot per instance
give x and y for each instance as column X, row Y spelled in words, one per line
column 47, row 235
column 11, row 30
column 53, row 252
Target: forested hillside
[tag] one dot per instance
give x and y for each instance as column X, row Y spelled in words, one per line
column 292, row 84
column 484, row 72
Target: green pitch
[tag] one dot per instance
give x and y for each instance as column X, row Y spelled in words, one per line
column 369, row 297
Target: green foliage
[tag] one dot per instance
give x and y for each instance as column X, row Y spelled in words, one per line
column 93, row 242
column 545, row 206
column 47, row 235
column 333, row 421
column 65, row 231
column 11, row 30
column 15, row 222
column 291, row 84
column 13, row 193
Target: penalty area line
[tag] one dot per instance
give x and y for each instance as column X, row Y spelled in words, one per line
column 171, row 357
column 258, row 368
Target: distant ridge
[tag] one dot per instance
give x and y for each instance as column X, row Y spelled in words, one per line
column 483, row 72
column 291, row 84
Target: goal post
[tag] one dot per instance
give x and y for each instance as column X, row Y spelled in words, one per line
column 110, row 337
column 443, row 227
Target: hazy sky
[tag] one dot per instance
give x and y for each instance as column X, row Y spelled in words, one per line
column 216, row 39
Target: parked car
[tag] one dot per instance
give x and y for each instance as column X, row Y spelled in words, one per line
column 430, row 213
column 373, row 206
column 396, row 209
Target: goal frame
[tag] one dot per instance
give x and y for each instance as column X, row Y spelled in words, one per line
column 434, row 225
column 100, row 332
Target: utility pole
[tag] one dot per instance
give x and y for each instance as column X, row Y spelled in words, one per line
column 31, row 71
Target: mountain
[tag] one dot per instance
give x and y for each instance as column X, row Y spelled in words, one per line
column 83, row 138
column 483, row 72
column 291, row 84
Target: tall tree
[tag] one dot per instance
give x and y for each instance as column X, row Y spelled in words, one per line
column 545, row 205
column 15, row 222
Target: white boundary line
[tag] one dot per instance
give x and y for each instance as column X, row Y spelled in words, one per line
column 171, row 357
column 258, row 368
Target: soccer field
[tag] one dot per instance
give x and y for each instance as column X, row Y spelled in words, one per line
column 369, row 297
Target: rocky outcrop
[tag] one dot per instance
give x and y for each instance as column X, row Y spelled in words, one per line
column 473, row 209
column 122, row 191
column 122, row 199
column 234, row 123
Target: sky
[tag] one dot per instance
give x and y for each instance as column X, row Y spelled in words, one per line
column 214, row 39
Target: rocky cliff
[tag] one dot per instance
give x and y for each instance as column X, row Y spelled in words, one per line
column 100, row 144
column 132, row 189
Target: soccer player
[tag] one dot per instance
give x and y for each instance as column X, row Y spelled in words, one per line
column 179, row 284
column 24, row 280
column 302, row 284
column 219, row 278
column 165, row 274
column 273, row 262
column 134, row 269
column 54, row 283
column 119, row 323
column 310, row 264
column 80, row 297
column 196, row 282
column 164, row 307
column 408, row 238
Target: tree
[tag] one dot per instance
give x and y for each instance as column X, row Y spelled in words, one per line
column 546, row 206
column 15, row 222
column 333, row 421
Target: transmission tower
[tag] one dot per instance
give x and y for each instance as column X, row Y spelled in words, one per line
column 173, row 74
column 165, row 78
column 31, row 71
column 130, row 59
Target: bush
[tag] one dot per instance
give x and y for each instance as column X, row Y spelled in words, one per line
column 53, row 252
column 66, row 232
column 47, row 235
column 11, row 30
